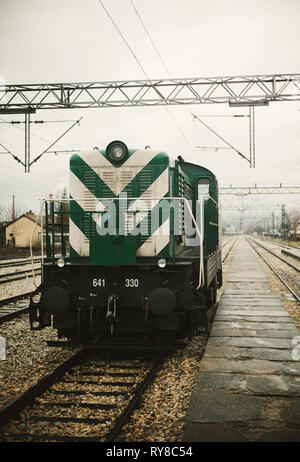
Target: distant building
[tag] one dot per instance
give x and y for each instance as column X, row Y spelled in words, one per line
column 18, row 233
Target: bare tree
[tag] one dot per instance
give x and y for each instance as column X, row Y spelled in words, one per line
column 6, row 211
column 294, row 221
column 2, row 212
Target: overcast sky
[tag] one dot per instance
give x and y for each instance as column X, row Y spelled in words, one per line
column 74, row 40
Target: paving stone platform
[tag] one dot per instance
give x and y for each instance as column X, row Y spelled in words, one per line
column 248, row 388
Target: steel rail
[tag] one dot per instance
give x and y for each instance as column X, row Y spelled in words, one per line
column 26, row 274
column 281, row 244
column 223, row 260
column 297, row 297
column 14, row 298
column 13, row 257
column 142, row 387
column 24, row 262
column 277, row 256
column 14, row 313
column 13, row 408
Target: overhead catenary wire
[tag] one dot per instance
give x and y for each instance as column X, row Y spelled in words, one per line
column 140, row 64
column 126, row 42
column 152, row 42
column 219, row 136
column 54, row 142
column 223, row 115
column 18, row 122
column 166, row 69
column 13, row 155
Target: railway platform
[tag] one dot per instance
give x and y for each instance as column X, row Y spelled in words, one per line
column 295, row 253
column 248, row 387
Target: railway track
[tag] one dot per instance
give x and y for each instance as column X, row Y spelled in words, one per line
column 85, row 395
column 296, row 268
column 17, row 275
column 231, row 244
column 25, row 261
column 288, row 280
column 13, row 307
column 281, row 244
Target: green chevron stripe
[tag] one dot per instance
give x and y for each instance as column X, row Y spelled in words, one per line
column 73, row 253
column 81, row 220
column 165, row 252
column 137, row 186
column 147, row 219
column 103, row 190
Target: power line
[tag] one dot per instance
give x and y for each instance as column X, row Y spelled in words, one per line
column 139, row 63
column 124, row 40
column 13, row 155
column 166, row 69
column 54, row 142
column 18, row 122
column 219, row 136
column 152, row 42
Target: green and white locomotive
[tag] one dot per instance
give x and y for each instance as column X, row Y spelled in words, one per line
column 134, row 252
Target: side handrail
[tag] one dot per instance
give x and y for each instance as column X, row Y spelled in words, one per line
column 199, row 231
column 40, row 215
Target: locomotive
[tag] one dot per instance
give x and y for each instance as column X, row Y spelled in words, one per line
column 133, row 252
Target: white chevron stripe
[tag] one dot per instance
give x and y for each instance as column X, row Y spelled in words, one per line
column 78, row 240
column 103, row 168
column 137, row 161
column 155, row 243
column 90, row 202
column 78, row 189
column 159, row 188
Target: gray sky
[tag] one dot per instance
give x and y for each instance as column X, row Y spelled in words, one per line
column 74, row 40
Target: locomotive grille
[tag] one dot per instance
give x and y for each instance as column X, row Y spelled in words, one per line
column 89, row 202
column 134, row 187
column 145, row 179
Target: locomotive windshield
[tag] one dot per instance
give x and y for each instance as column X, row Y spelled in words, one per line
column 203, row 187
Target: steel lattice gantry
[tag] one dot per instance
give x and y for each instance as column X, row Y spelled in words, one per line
column 248, row 90
column 245, row 190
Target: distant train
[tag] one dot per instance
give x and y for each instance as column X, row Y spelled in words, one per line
column 144, row 256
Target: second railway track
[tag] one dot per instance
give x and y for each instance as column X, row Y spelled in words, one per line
column 288, row 277
column 14, row 306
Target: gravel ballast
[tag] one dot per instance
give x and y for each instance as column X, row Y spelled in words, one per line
column 162, row 411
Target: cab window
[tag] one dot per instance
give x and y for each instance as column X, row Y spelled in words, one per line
column 203, row 187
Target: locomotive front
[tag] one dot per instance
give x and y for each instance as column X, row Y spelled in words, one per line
column 120, row 275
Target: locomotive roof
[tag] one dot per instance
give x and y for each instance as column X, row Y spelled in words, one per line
column 99, row 158
column 196, row 166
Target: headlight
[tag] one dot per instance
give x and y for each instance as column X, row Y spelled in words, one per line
column 116, row 151
column 162, row 263
column 60, row 262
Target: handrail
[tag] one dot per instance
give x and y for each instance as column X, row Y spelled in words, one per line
column 199, row 232
column 31, row 242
